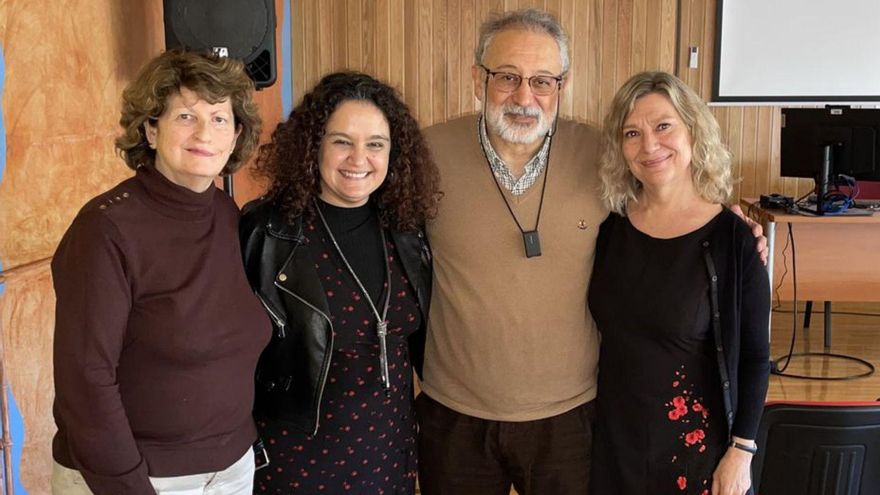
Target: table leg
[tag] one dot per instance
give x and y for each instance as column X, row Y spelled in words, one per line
column 808, row 313
column 827, row 325
column 771, row 246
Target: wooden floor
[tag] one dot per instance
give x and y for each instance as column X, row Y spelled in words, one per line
column 855, row 333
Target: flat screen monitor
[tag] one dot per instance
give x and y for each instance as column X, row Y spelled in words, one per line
column 852, row 133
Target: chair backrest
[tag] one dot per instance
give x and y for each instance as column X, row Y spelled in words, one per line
column 814, row 448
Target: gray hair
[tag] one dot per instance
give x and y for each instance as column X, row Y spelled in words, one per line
column 529, row 19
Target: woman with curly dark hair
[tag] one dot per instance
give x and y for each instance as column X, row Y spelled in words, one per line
column 336, row 253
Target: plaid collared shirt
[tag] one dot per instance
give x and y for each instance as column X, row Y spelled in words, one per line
column 531, row 172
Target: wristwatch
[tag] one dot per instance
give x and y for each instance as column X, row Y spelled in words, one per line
column 751, row 449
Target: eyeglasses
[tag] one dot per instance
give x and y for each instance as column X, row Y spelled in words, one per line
column 509, row 82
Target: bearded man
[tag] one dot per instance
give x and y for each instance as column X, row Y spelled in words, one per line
column 511, row 358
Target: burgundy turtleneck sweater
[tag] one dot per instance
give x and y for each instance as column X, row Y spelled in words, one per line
column 157, row 334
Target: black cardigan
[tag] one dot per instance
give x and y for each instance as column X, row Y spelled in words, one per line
column 743, row 321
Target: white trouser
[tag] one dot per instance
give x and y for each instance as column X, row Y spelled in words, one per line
column 237, row 479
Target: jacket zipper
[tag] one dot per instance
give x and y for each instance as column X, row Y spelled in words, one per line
column 277, row 319
column 326, row 366
column 423, row 245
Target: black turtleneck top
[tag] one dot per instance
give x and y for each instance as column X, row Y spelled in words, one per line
column 157, row 336
column 357, row 232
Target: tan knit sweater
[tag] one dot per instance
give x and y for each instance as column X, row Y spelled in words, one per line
column 510, row 338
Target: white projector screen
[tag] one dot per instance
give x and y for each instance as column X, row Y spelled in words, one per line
column 805, row 51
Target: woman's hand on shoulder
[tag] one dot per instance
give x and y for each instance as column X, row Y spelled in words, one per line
column 733, row 476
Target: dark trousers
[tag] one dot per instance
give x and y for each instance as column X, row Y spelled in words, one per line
column 464, row 455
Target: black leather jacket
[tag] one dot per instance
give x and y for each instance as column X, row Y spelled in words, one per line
column 292, row 370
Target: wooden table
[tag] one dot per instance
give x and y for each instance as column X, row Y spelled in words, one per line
column 838, row 257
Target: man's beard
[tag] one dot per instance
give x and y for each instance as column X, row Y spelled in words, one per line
column 513, row 132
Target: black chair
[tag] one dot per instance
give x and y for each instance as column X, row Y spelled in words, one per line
column 815, row 448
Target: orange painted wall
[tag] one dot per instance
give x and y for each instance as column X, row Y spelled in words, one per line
column 65, row 68
column 66, row 64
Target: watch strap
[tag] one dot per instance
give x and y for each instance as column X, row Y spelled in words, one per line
column 744, row 446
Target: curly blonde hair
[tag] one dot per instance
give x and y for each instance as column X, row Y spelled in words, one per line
column 710, row 162
column 214, row 79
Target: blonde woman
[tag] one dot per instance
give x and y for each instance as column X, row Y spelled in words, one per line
column 681, row 298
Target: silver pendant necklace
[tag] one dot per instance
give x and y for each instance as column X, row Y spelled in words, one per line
column 381, row 323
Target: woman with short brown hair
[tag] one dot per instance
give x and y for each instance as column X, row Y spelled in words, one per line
column 157, row 332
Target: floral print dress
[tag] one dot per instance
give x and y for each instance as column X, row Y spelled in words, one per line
column 661, row 426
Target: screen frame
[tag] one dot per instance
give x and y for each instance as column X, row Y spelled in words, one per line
column 769, row 99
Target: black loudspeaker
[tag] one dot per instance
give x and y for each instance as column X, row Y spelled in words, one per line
column 242, row 29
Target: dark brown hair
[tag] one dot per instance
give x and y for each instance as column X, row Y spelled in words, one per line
column 214, row 79
column 290, row 161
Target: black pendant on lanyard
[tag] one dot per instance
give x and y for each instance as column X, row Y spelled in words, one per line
column 532, row 242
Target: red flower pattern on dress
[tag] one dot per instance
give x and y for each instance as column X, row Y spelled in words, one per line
column 693, row 426
column 698, row 408
column 680, row 410
column 682, row 483
column 694, row 437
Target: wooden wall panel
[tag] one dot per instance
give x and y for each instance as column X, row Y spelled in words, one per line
column 581, row 78
column 639, row 23
column 596, row 52
column 424, row 77
column 439, row 43
column 425, row 48
column 622, row 56
column 749, row 156
column 611, row 52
